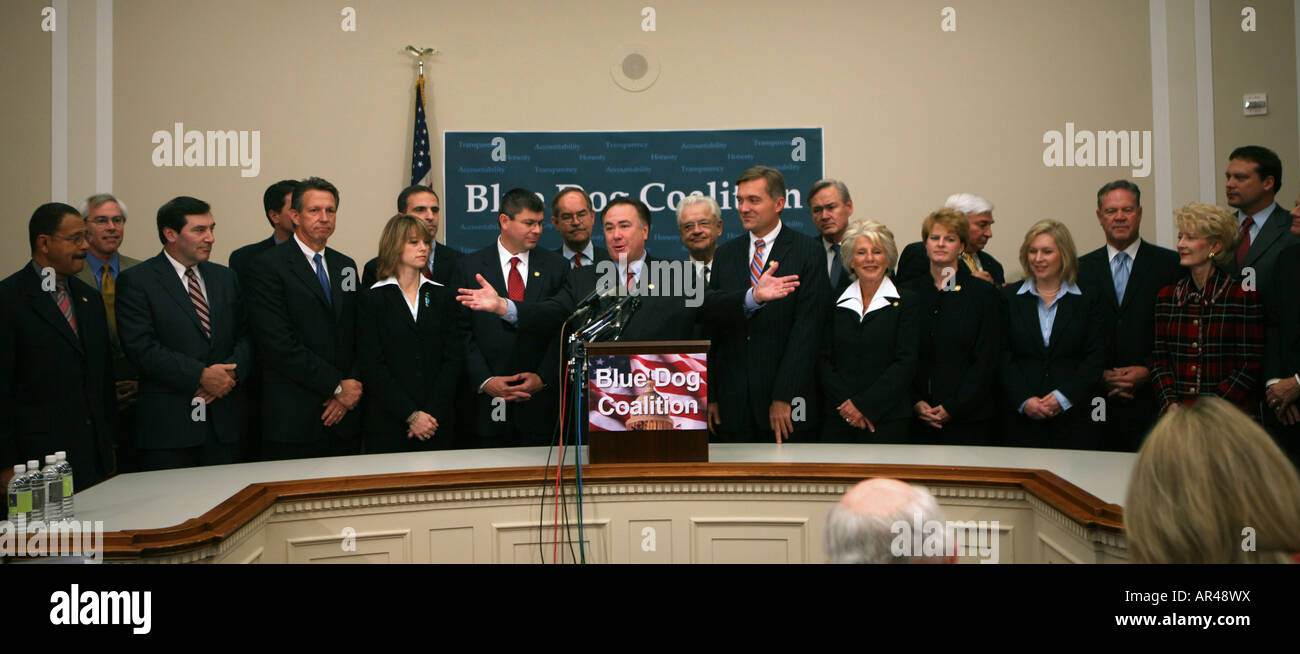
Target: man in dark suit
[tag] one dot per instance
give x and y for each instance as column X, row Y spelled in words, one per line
column 573, row 218
column 513, row 370
column 277, row 203
column 831, row 207
column 302, row 310
column 914, row 263
column 422, row 202
column 183, row 325
column 666, row 312
column 1126, row 275
column 765, row 349
column 56, row 363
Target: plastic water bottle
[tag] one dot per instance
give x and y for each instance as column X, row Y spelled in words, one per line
column 53, row 490
column 65, row 473
column 36, row 483
column 20, row 498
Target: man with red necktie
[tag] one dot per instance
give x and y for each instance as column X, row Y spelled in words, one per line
column 513, row 370
column 422, row 202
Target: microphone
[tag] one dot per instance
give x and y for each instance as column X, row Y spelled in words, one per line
column 586, row 304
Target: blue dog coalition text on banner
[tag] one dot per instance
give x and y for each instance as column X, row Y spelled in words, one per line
column 658, row 168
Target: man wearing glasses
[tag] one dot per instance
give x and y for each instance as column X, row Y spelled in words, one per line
column 105, row 231
column 573, row 218
column 56, row 381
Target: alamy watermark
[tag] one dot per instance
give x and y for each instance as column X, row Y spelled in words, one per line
column 931, row 538
column 70, row 538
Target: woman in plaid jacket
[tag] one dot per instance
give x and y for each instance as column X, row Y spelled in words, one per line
column 1209, row 328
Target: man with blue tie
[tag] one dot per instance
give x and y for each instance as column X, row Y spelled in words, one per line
column 183, row 326
column 1126, row 275
column 303, row 312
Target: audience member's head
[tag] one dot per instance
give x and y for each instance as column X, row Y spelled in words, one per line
column 1211, row 486
column 861, row 527
column 700, row 222
column 979, row 213
column 105, row 224
column 1254, row 177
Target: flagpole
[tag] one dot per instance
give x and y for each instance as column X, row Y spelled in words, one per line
column 421, row 162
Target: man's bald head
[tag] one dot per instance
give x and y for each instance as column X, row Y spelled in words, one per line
column 860, row 528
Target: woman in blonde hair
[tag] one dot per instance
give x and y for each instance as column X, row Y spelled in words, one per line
column 408, row 345
column 869, row 351
column 1055, row 346
column 1209, row 328
column 1211, row 486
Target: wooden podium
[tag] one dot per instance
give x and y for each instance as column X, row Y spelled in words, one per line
column 641, row 441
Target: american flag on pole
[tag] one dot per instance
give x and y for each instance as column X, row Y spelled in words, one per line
column 669, row 373
column 421, row 164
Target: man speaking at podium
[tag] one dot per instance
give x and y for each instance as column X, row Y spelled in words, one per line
column 667, row 298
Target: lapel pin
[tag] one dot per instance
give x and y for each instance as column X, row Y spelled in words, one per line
column 651, row 287
column 426, row 300
column 895, row 304
column 957, row 288
column 537, row 273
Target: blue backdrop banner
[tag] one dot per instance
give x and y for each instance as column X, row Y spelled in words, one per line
column 659, row 168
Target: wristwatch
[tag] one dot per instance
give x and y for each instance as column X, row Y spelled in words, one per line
column 338, row 389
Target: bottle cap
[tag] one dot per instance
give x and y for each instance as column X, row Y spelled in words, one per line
column 20, row 469
column 49, row 459
column 33, row 464
column 62, row 455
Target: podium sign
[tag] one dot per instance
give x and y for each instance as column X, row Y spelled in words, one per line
column 647, row 401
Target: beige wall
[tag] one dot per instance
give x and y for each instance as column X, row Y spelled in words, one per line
column 1263, row 61
column 910, row 113
column 24, row 125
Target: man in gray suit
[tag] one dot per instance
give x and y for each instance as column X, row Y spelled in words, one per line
column 183, row 325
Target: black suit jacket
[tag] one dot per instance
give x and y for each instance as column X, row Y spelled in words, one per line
column 56, row 385
column 497, row 348
column 601, row 255
column 445, row 262
column 1263, row 257
column 242, row 259
column 659, row 318
column 164, row 339
column 962, row 339
column 871, row 360
column 914, row 263
column 306, row 346
column 408, row 364
column 772, row 354
column 1071, row 363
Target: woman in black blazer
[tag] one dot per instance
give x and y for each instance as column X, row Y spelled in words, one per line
column 409, row 346
column 960, row 325
column 1055, row 348
column 869, row 353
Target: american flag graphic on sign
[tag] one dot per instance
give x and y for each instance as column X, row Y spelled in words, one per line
column 647, row 391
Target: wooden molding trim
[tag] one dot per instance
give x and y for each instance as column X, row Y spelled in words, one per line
column 228, row 517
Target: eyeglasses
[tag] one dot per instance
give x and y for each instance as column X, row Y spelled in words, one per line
column 104, row 220
column 75, row 239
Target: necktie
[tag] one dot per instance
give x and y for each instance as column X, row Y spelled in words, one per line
column 108, row 289
column 1245, row 240
column 577, row 260
column 706, row 274
column 972, row 263
column 1119, row 270
column 65, row 303
column 515, row 284
column 756, row 265
column 428, row 271
column 837, row 264
column 200, row 304
column 631, row 279
column 324, row 281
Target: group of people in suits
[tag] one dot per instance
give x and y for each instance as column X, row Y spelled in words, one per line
column 290, row 353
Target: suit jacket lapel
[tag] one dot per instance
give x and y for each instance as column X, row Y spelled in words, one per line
column 334, row 265
column 1066, row 306
column 1142, row 268
column 491, row 271
column 536, row 277
column 171, row 285
column 441, row 263
column 301, row 269
column 1028, row 307
column 1279, row 223
column 45, row 307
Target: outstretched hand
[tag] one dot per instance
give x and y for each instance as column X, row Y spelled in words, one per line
column 483, row 298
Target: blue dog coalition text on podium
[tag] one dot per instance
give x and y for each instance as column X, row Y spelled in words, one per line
column 658, row 168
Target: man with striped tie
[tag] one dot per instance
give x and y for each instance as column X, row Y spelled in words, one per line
column 56, row 364
column 766, row 333
column 183, row 326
